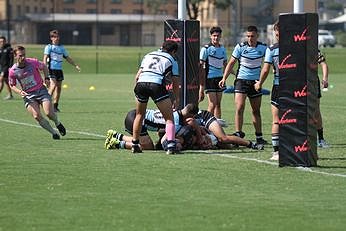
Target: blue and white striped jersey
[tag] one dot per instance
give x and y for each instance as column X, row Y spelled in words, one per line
column 250, row 60
column 215, row 57
column 272, row 57
column 154, row 120
column 157, row 65
column 56, row 54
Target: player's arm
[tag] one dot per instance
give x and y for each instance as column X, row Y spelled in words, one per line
column 45, row 59
column 45, row 71
column 325, row 76
column 228, row 71
column 193, row 123
column 70, row 60
column 12, row 82
column 138, row 74
column 202, row 76
column 264, row 74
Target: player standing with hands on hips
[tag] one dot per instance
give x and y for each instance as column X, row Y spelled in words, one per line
column 26, row 71
column 54, row 54
column 155, row 69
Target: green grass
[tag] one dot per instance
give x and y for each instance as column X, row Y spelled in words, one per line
column 75, row 184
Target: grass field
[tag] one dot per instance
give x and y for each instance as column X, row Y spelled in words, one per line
column 75, row 184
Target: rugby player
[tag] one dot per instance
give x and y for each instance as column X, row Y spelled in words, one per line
column 272, row 59
column 249, row 55
column 27, row 72
column 213, row 60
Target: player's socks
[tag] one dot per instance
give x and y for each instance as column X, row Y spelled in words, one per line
column 259, row 138
column 320, row 134
column 239, row 134
column 275, row 141
column 118, row 135
column 170, row 131
column 46, row 125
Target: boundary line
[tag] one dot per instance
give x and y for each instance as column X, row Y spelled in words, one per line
column 37, row 126
column 208, row 152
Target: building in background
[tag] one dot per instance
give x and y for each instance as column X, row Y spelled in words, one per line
column 131, row 22
column 88, row 22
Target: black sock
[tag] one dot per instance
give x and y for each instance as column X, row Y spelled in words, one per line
column 320, row 134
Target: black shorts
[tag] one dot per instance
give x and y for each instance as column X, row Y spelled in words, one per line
column 205, row 118
column 319, row 94
column 144, row 90
column 130, row 117
column 212, row 85
column 246, row 87
column 56, row 74
column 275, row 96
column 5, row 74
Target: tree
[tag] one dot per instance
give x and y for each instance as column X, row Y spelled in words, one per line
column 192, row 6
column 153, row 5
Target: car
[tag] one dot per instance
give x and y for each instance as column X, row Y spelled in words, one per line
column 326, row 38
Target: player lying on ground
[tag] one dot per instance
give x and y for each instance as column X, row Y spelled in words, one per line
column 153, row 121
column 208, row 121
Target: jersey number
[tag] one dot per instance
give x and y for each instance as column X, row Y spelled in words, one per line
column 153, row 64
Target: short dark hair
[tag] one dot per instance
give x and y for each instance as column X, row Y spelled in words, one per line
column 252, row 29
column 169, row 46
column 3, row 37
column 216, row 29
column 53, row 33
column 276, row 25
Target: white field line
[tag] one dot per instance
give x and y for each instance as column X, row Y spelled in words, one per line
column 208, row 152
column 37, row 126
column 276, row 164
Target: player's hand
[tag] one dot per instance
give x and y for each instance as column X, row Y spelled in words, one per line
column 47, row 82
column 325, row 84
column 258, row 86
column 23, row 93
column 201, row 96
column 222, row 83
column 78, row 68
column 175, row 105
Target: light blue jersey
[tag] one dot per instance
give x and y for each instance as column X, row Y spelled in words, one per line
column 56, row 54
column 272, row 57
column 250, row 60
column 153, row 120
column 157, row 65
column 215, row 58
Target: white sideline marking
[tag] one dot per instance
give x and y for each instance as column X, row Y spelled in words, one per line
column 37, row 126
column 209, row 152
column 275, row 163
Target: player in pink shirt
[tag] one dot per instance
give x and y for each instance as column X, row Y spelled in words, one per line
column 26, row 71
